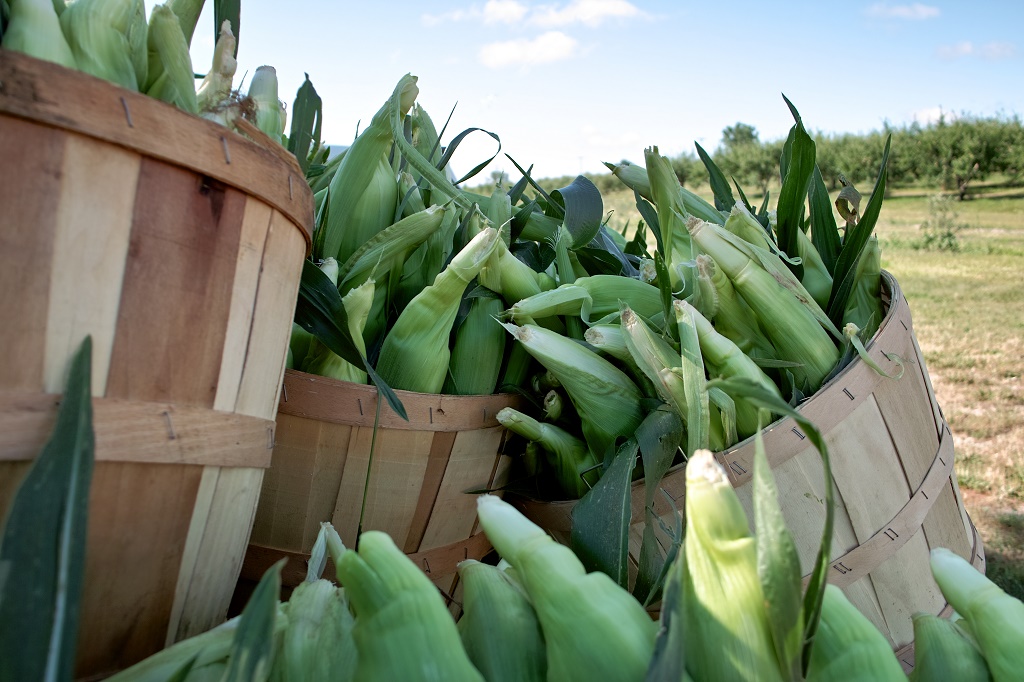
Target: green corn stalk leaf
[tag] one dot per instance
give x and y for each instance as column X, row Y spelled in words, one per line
column 230, row 10
column 668, row 663
column 743, row 198
column 650, row 216
column 824, row 231
column 600, row 520
column 724, row 200
column 815, row 592
column 319, row 311
column 778, row 566
column 454, row 144
column 252, row 649
column 665, row 288
column 658, row 437
column 794, row 188
column 42, row 555
column 856, row 239
column 581, row 201
column 307, row 121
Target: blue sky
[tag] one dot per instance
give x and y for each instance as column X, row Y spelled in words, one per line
column 568, row 84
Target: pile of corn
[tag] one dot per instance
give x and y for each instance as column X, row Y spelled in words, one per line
column 732, row 611
column 112, row 40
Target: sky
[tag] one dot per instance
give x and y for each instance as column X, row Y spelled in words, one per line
column 569, row 84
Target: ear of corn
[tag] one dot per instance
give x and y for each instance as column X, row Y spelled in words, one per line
column 107, row 39
column 941, row 651
column 665, row 193
column 633, row 176
column 270, row 115
column 574, row 466
column 727, row 631
column 509, row 276
column 33, row 28
column 323, row 361
column 848, row 646
column 995, row 618
column 364, row 191
column 478, row 349
column 188, row 12
column 499, row 628
column 865, row 305
column 793, row 330
column 428, row 258
column 403, row 631
column 415, row 353
column 318, row 642
column 170, row 77
column 733, row 317
column 604, row 397
column 215, row 89
column 593, row 629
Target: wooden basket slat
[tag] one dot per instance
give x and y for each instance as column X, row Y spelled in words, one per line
column 176, row 297
column 437, row 462
column 469, row 468
column 249, row 261
column 29, row 181
column 277, row 290
column 904, row 586
column 97, row 189
column 941, row 525
column 130, row 583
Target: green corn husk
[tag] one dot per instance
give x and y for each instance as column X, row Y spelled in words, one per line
column 269, row 115
column 995, row 619
column 387, row 251
column 364, row 191
column 632, row 176
column 33, row 28
column 789, row 325
column 214, row 93
column 734, row 319
column 509, row 276
column 607, row 401
column 318, row 643
column 322, row 361
column 816, row 278
column 171, row 78
column 864, row 308
column 726, row 629
column 942, row 651
column 724, row 358
column 657, row 360
column 188, row 12
column 415, row 352
column 403, row 629
column 574, row 465
column 593, row 629
column 108, row 39
column 499, row 628
column 667, row 198
column 609, row 339
column 410, row 193
column 848, row 646
column 478, row 349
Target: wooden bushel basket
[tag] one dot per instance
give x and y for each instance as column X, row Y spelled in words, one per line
column 895, row 489
column 178, row 245
column 415, row 489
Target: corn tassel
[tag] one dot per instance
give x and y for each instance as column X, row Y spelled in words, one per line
column 593, row 629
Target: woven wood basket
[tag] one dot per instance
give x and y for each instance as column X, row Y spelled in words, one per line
column 892, row 466
column 178, row 246
column 416, row 488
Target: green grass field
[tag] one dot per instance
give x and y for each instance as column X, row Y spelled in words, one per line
column 968, row 310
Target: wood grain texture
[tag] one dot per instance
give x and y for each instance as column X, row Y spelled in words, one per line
column 30, row 179
column 144, row 432
column 138, row 522
column 41, row 91
column 176, row 299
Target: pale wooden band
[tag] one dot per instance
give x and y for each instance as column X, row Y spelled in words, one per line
column 144, row 432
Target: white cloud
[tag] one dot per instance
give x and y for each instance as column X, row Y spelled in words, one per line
column 504, row 12
column 454, row 15
column 916, row 11
column 989, row 51
column 588, row 12
column 548, row 47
